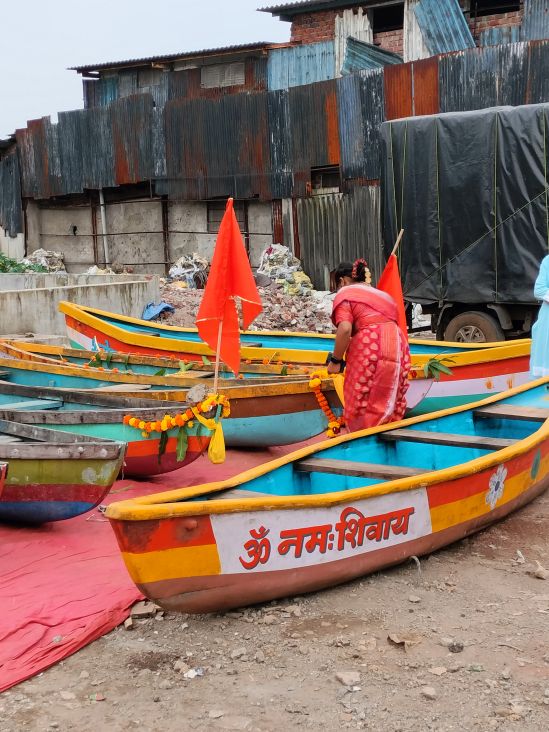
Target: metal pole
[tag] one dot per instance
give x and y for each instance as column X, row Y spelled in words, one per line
column 217, row 355
column 104, row 226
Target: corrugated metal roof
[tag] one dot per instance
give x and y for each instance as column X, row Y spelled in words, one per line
column 289, row 67
column 361, row 56
column 259, row 46
column 443, row 26
column 535, row 24
column 306, row 6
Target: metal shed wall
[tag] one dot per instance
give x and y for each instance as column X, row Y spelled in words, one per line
column 338, row 228
column 11, row 217
column 299, row 65
column 217, row 148
column 314, row 130
column 361, row 112
column 535, row 23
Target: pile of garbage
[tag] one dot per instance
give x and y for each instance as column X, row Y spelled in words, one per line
column 191, row 270
column 280, row 265
column 280, row 311
column 47, row 260
column 39, row 261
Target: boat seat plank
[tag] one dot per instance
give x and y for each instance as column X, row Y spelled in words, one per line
column 238, row 493
column 5, row 439
column 448, row 439
column 508, row 411
column 360, row 470
column 34, row 404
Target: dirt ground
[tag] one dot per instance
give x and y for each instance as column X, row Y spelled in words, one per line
column 477, row 655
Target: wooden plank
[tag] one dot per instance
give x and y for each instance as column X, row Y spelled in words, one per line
column 361, row 470
column 8, row 438
column 447, row 438
column 507, row 411
column 34, row 404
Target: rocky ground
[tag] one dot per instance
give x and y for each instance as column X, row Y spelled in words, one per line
column 280, row 311
column 459, row 642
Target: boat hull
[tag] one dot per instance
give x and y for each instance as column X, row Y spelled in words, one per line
column 39, row 491
column 214, row 593
column 196, row 550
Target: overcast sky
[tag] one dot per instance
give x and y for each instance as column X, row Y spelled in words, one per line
column 41, row 38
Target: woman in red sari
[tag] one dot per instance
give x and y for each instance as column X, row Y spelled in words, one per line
column 378, row 356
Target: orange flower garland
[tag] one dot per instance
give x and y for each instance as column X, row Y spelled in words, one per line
column 334, row 423
column 184, row 419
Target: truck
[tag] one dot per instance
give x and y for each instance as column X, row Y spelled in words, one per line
column 470, row 191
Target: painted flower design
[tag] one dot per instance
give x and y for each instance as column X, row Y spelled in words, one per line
column 497, row 486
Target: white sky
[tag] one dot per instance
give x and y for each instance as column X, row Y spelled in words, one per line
column 41, row 38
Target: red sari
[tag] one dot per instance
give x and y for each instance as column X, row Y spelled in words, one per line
column 378, row 357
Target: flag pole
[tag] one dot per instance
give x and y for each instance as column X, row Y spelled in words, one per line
column 217, row 355
column 397, row 244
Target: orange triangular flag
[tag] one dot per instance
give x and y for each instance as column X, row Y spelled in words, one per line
column 390, row 283
column 230, row 276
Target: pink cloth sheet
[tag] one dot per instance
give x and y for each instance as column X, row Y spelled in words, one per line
column 64, row 584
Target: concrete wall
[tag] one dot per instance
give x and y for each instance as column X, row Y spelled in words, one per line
column 12, row 246
column 188, row 229
column 38, row 280
column 36, row 310
column 135, row 238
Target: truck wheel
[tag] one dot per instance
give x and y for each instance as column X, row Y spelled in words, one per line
column 473, row 327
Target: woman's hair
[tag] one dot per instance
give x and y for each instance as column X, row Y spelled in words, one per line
column 358, row 271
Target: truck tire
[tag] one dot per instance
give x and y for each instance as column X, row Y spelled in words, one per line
column 473, row 327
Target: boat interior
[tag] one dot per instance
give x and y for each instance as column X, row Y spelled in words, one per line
column 421, row 446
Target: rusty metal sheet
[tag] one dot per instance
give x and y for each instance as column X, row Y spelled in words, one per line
column 340, row 227
column 361, row 112
column 218, row 148
column 278, row 110
column 484, row 77
column 535, row 22
column 11, row 216
column 538, row 80
column 314, row 131
column 426, row 95
column 131, row 120
column 398, row 91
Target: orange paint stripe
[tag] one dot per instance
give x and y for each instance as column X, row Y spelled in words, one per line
column 487, row 370
column 457, row 490
column 154, row 535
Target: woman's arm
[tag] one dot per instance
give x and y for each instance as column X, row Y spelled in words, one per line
column 541, row 287
column 343, row 336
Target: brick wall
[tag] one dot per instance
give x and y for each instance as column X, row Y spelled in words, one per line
column 320, row 26
column 390, row 41
column 478, row 25
column 314, row 27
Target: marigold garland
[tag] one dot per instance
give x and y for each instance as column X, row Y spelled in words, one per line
column 184, row 419
column 334, row 423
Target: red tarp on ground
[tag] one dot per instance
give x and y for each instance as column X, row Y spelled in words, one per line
column 64, row 584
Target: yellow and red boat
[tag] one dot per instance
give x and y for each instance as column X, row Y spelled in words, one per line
column 336, row 511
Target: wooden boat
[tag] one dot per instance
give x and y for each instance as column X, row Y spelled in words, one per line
column 280, row 410
column 94, row 329
column 263, row 414
column 54, row 475
column 102, row 415
column 129, row 364
column 331, row 513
